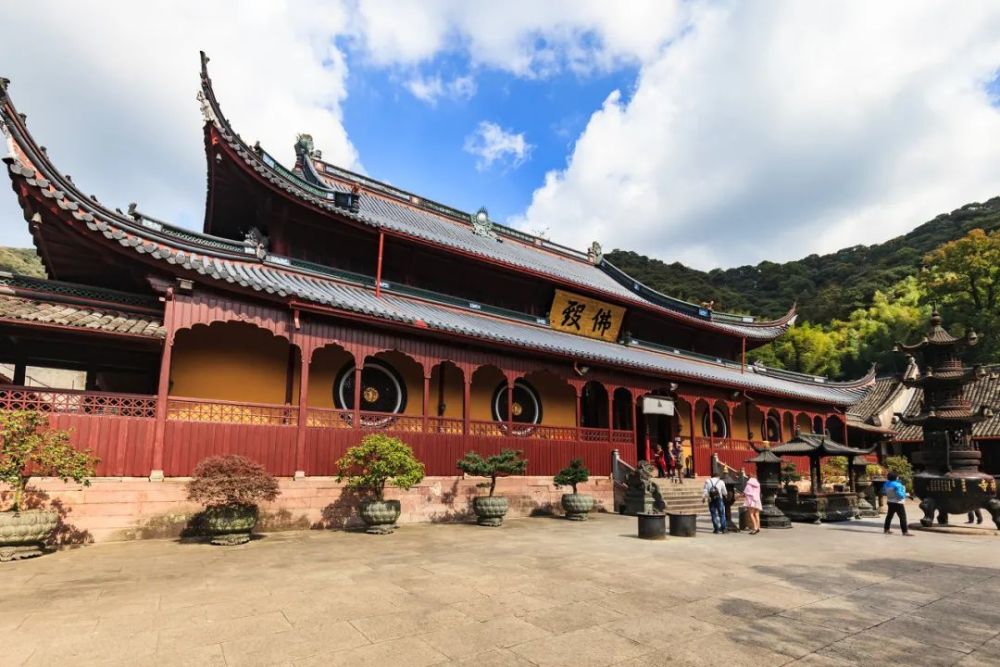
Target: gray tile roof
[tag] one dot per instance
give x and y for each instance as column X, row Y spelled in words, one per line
column 506, row 247
column 105, row 320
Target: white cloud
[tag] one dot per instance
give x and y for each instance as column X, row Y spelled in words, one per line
column 431, row 89
column 109, row 89
column 774, row 130
column 493, row 144
column 525, row 37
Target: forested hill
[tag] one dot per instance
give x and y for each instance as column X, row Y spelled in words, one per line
column 824, row 286
column 21, row 260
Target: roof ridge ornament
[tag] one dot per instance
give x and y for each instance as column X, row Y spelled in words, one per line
column 482, row 225
column 207, row 113
column 595, row 255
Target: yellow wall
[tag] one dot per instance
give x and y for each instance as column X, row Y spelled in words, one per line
column 326, row 363
column 231, row 362
column 558, row 399
column 484, row 381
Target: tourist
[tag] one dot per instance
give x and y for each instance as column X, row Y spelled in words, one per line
column 659, row 461
column 895, row 495
column 677, row 453
column 976, row 516
column 751, row 500
column 714, row 491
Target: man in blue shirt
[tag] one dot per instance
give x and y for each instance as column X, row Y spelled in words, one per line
column 895, row 495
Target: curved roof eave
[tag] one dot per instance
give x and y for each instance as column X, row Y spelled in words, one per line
column 624, row 288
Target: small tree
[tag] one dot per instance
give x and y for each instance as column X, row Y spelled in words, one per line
column 378, row 460
column 29, row 447
column 507, row 462
column 835, row 466
column 789, row 473
column 902, row 467
column 231, row 481
column 575, row 473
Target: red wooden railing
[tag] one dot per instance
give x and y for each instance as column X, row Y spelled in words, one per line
column 734, row 453
column 119, row 428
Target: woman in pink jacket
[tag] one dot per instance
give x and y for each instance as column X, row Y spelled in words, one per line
column 751, row 500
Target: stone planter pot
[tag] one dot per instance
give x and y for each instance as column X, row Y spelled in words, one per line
column 490, row 510
column 380, row 516
column 23, row 534
column 577, row 506
column 229, row 526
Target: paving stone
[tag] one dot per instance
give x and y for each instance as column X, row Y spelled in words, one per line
column 569, row 617
column 955, row 633
column 869, row 648
column 413, row 621
column 411, row 652
column 469, row 639
column 581, row 648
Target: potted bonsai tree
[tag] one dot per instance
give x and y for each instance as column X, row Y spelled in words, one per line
column 368, row 467
column 490, row 510
column 28, row 447
column 230, row 487
column 576, row 505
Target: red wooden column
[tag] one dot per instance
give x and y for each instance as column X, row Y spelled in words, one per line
column 466, row 400
column 844, row 423
column 302, row 428
column 611, row 415
column 358, row 367
column 578, row 389
column 694, row 460
column 427, row 393
column 163, row 388
column 510, row 405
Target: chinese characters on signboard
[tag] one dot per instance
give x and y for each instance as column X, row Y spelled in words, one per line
column 579, row 315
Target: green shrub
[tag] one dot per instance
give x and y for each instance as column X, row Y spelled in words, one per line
column 835, row 466
column 575, row 473
column 29, row 447
column 902, row 467
column 377, row 461
column 507, row 462
column 789, row 473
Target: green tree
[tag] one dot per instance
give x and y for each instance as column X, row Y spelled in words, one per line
column 29, row 447
column 507, row 462
column 963, row 276
column 575, row 473
column 377, row 461
column 805, row 348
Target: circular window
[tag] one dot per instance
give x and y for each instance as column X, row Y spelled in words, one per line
column 719, row 426
column 772, row 429
column 527, row 409
column 382, row 390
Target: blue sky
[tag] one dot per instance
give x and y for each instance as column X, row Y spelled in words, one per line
column 418, row 145
column 717, row 133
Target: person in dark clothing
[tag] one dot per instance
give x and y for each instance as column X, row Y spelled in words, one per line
column 895, row 495
column 975, row 515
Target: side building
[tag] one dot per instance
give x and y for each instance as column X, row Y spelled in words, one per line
column 319, row 305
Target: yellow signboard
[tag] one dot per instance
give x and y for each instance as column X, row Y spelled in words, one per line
column 586, row 317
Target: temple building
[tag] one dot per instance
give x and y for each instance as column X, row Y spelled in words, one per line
column 319, row 304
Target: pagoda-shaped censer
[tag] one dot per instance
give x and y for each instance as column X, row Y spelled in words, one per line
column 950, row 481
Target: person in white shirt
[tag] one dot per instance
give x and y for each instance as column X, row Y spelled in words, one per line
column 713, row 492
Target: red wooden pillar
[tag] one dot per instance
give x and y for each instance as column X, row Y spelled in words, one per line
column 844, row 423
column 611, row 415
column 163, row 388
column 466, row 400
column 579, row 408
column 694, row 459
column 427, row 393
column 358, row 368
column 510, row 406
column 305, row 354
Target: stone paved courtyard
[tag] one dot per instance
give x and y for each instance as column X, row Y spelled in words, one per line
column 538, row 591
